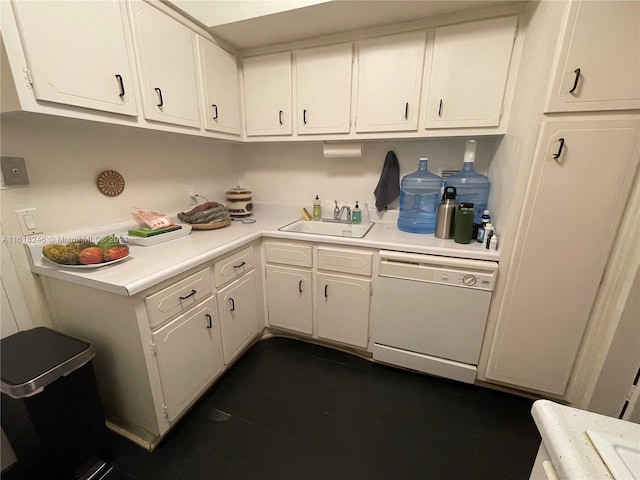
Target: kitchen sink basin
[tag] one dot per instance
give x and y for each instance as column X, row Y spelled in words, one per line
column 622, row 456
column 357, row 230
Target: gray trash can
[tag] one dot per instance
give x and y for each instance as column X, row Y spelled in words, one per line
column 51, row 409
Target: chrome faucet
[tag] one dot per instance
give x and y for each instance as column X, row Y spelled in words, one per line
column 337, row 213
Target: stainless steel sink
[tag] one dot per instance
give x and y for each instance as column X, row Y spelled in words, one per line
column 355, row 230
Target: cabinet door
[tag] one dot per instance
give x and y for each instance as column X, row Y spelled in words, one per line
column 188, row 356
column 267, row 94
column 389, row 83
column 323, row 83
column 221, row 89
column 601, row 41
column 469, row 73
column 165, row 53
column 289, row 298
column 343, row 309
column 238, row 315
column 77, row 53
column 570, row 217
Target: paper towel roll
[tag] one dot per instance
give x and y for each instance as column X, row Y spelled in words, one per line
column 342, row 150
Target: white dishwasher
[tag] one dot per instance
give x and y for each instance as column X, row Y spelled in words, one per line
column 429, row 312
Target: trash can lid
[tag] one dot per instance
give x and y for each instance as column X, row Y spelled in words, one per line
column 32, row 359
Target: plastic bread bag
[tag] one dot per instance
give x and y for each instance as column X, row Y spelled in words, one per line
column 209, row 212
column 153, row 220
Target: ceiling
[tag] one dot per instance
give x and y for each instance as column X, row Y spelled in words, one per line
column 248, row 24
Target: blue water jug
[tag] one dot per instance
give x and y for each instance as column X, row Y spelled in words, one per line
column 471, row 187
column 419, row 196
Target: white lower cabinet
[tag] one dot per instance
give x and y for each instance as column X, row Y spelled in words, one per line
column 343, row 308
column 238, row 309
column 156, row 351
column 329, row 299
column 290, row 293
column 188, row 356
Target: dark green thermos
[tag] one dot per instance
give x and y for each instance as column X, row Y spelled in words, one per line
column 463, row 230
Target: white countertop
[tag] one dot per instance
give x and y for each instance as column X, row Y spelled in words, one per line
column 147, row 266
column 564, row 434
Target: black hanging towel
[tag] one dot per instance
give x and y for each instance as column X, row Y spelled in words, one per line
column 388, row 188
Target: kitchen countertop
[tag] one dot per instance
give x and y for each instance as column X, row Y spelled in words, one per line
column 147, row 266
column 564, row 434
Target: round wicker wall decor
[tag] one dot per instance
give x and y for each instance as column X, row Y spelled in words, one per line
column 111, row 183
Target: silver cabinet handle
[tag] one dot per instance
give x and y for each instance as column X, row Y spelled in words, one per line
column 233, row 305
column 209, row 321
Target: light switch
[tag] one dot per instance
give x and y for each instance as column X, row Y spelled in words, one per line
column 27, row 221
column 30, row 222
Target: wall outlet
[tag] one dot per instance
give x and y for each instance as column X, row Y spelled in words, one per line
column 192, row 198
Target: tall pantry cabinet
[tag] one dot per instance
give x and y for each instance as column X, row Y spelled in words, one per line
column 583, row 169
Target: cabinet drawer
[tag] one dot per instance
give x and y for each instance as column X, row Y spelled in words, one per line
column 289, row 254
column 178, row 297
column 346, row 261
column 232, row 267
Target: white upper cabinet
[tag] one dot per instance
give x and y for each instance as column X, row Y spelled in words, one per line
column 389, row 82
column 598, row 68
column 77, row 53
column 166, row 58
column 469, row 73
column 267, row 94
column 323, row 83
column 221, row 88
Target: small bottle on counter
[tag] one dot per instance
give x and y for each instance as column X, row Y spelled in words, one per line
column 493, row 243
column 366, row 219
column 356, row 215
column 488, row 233
column 317, row 209
column 463, row 230
column 486, row 218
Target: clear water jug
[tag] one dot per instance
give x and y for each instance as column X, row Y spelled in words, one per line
column 419, row 198
column 471, row 187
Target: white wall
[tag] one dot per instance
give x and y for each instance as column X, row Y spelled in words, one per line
column 63, row 160
column 296, row 172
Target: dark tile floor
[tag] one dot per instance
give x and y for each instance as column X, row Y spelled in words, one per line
column 293, row 410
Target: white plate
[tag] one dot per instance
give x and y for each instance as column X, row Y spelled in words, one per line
column 81, row 267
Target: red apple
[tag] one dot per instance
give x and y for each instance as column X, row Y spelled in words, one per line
column 90, row 256
column 115, row 252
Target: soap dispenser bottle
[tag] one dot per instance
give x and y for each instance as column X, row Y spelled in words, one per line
column 317, row 210
column 356, row 217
